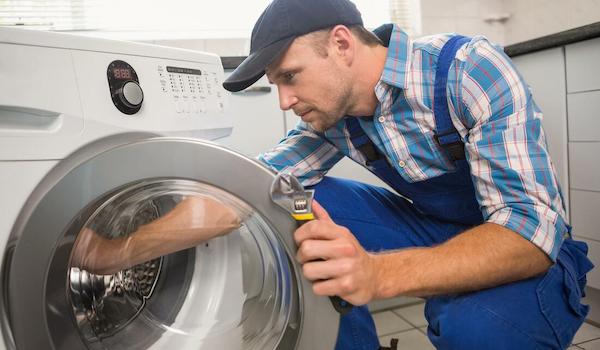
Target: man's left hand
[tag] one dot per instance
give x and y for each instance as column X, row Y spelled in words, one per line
column 334, row 261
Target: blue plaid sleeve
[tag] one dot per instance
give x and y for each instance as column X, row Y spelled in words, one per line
column 505, row 145
column 303, row 153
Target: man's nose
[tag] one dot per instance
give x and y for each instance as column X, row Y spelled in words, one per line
column 286, row 98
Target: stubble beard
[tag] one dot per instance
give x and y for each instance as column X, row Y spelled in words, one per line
column 339, row 111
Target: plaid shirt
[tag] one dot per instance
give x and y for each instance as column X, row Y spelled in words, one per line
column 492, row 109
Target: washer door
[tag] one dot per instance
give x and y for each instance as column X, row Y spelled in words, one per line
column 240, row 290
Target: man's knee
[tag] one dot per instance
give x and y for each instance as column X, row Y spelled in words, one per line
column 463, row 324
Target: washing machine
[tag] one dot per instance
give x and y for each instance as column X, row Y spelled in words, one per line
column 114, row 136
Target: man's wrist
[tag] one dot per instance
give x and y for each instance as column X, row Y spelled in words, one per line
column 394, row 275
column 387, row 274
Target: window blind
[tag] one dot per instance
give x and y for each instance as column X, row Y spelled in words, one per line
column 44, row 14
column 155, row 19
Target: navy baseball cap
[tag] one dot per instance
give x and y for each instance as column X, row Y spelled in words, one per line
column 278, row 26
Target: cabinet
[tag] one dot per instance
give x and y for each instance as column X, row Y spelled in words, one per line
column 583, row 96
column 566, row 85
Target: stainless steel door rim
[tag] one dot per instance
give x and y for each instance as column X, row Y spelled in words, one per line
column 41, row 242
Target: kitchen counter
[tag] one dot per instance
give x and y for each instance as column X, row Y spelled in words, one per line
column 566, row 37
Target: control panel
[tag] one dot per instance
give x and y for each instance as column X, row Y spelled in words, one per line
column 191, row 90
column 152, row 93
column 96, row 87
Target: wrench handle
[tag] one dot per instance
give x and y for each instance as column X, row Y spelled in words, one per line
column 340, row 305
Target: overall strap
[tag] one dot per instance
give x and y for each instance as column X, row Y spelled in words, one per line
column 445, row 133
column 361, row 141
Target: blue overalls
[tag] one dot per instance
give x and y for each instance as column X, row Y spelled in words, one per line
column 538, row 313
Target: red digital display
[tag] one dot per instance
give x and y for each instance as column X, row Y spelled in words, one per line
column 122, row 73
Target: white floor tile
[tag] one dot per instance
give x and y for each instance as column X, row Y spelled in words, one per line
column 388, row 322
column 411, row 340
column 591, row 345
column 585, row 333
column 413, row 314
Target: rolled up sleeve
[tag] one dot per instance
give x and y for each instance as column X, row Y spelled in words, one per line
column 303, row 153
column 512, row 171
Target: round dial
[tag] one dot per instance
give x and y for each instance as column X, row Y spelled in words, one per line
column 131, row 94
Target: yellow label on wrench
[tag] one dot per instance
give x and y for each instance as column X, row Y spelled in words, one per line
column 303, row 217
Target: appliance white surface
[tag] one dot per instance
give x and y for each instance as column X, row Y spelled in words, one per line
column 54, row 98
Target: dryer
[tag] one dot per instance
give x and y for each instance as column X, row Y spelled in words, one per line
column 111, row 135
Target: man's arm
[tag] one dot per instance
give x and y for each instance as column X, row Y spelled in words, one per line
column 303, row 153
column 192, row 221
column 485, row 256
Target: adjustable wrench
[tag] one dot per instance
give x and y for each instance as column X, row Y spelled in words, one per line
column 288, row 193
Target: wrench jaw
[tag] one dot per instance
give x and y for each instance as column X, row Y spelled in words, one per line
column 288, row 193
column 303, row 206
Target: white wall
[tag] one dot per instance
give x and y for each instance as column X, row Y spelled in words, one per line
column 221, row 47
column 465, row 17
column 507, row 21
column 534, row 18
column 502, row 21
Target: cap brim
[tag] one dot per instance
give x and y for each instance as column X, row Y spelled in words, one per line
column 253, row 67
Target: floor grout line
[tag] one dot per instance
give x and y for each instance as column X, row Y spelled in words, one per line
column 587, row 341
column 406, row 320
column 396, row 332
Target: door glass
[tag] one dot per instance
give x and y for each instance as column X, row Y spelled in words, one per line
column 177, row 264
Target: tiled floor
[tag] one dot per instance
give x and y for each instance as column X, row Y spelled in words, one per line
column 408, row 325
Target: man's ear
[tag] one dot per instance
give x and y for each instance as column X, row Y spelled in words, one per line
column 343, row 43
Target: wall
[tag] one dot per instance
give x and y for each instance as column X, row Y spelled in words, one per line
column 534, row 18
column 466, row 17
column 221, row 47
column 507, row 21
column 502, row 21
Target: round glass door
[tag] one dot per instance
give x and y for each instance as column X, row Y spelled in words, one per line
column 178, row 264
column 137, row 242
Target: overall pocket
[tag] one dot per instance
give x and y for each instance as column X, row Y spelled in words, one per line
column 560, row 291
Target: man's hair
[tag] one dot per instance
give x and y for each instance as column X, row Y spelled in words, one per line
column 320, row 37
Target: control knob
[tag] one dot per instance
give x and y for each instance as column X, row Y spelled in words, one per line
column 131, row 94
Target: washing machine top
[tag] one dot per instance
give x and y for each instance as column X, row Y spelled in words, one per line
column 60, row 91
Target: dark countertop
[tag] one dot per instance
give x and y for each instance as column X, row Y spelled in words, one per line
column 545, row 42
column 570, row 36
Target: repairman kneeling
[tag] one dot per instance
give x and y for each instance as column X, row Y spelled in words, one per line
column 447, row 122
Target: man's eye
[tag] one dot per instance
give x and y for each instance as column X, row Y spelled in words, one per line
column 289, row 76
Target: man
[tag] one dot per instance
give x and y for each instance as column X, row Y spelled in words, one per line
column 449, row 124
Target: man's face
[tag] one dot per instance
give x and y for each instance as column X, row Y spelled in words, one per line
column 314, row 85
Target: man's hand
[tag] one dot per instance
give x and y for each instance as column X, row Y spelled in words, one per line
column 334, row 261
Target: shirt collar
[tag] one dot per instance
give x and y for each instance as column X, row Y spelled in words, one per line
column 397, row 62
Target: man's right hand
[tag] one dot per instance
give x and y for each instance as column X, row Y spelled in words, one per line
column 333, row 259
